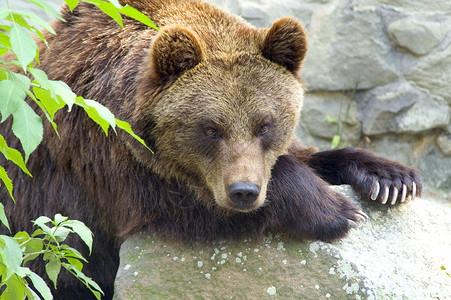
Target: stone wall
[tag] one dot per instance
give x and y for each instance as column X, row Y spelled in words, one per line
column 380, row 68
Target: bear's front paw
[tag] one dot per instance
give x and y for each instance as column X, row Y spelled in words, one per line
column 327, row 218
column 387, row 182
column 337, row 219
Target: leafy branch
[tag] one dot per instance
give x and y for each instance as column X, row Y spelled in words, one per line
column 50, row 96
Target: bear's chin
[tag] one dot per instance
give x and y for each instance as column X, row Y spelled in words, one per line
column 229, row 207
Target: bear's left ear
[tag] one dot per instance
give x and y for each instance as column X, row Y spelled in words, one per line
column 285, row 44
column 173, row 52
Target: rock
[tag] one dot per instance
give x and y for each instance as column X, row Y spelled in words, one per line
column 407, row 6
column 444, row 143
column 263, row 14
column 318, row 105
column 433, row 72
column 401, row 107
column 396, row 249
column 418, row 37
column 231, row 6
column 347, row 48
column 435, row 170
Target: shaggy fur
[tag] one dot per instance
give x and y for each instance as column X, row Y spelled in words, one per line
column 218, row 101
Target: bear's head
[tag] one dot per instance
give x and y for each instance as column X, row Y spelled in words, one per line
column 219, row 120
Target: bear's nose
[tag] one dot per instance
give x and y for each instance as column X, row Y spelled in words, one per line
column 243, row 193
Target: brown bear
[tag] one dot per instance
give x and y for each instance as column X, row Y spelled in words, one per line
column 217, row 100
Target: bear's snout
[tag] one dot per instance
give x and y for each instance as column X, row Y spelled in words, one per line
column 243, row 193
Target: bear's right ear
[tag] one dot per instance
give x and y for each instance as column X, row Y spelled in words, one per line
column 173, row 52
column 285, row 44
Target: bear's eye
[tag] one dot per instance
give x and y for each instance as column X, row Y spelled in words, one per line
column 264, row 129
column 211, row 132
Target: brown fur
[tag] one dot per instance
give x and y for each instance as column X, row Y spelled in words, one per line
column 218, row 101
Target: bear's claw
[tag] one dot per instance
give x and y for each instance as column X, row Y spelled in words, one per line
column 352, row 224
column 383, row 193
column 361, row 216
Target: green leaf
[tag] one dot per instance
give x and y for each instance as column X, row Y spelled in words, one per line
column 41, row 223
column 71, row 252
column 335, row 142
column 137, row 15
column 27, row 126
column 103, row 112
column 13, row 155
column 3, row 74
column 48, row 9
column 38, row 283
column 12, row 95
column 40, row 77
column 11, row 254
column 3, row 218
column 32, row 246
column 21, row 237
column 94, row 114
column 7, row 181
column 31, row 294
column 60, row 233
column 50, row 104
column 75, row 262
column 44, row 110
column 4, row 40
column 34, row 18
column 125, row 126
column 23, row 46
column 82, row 230
column 5, row 28
column 91, row 284
column 53, row 268
column 15, row 288
column 331, row 119
column 72, row 4
column 63, row 91
column 38, row 232
column 111, row 10
column 59, row 219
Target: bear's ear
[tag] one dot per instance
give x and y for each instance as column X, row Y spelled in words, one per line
column 285, row 44
column 173, row 52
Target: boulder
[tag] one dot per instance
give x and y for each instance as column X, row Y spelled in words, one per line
column 401, row 252
column 401, row 107
column 418, row 37
column 433, row 72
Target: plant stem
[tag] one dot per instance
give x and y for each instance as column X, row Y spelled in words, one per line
column 33, row 253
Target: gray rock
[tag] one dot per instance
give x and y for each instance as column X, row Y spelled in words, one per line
column 418, row 37
column 433, row 72
column 444, row 143
column 396, row 249
column 401, row 107
column 264, row 13
column 435, row 168
column 231, row 6
column 347, row 48
column 318, row 105
column 407, row 6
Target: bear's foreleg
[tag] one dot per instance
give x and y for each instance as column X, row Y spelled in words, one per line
column 301, row 204
column 371, row 176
